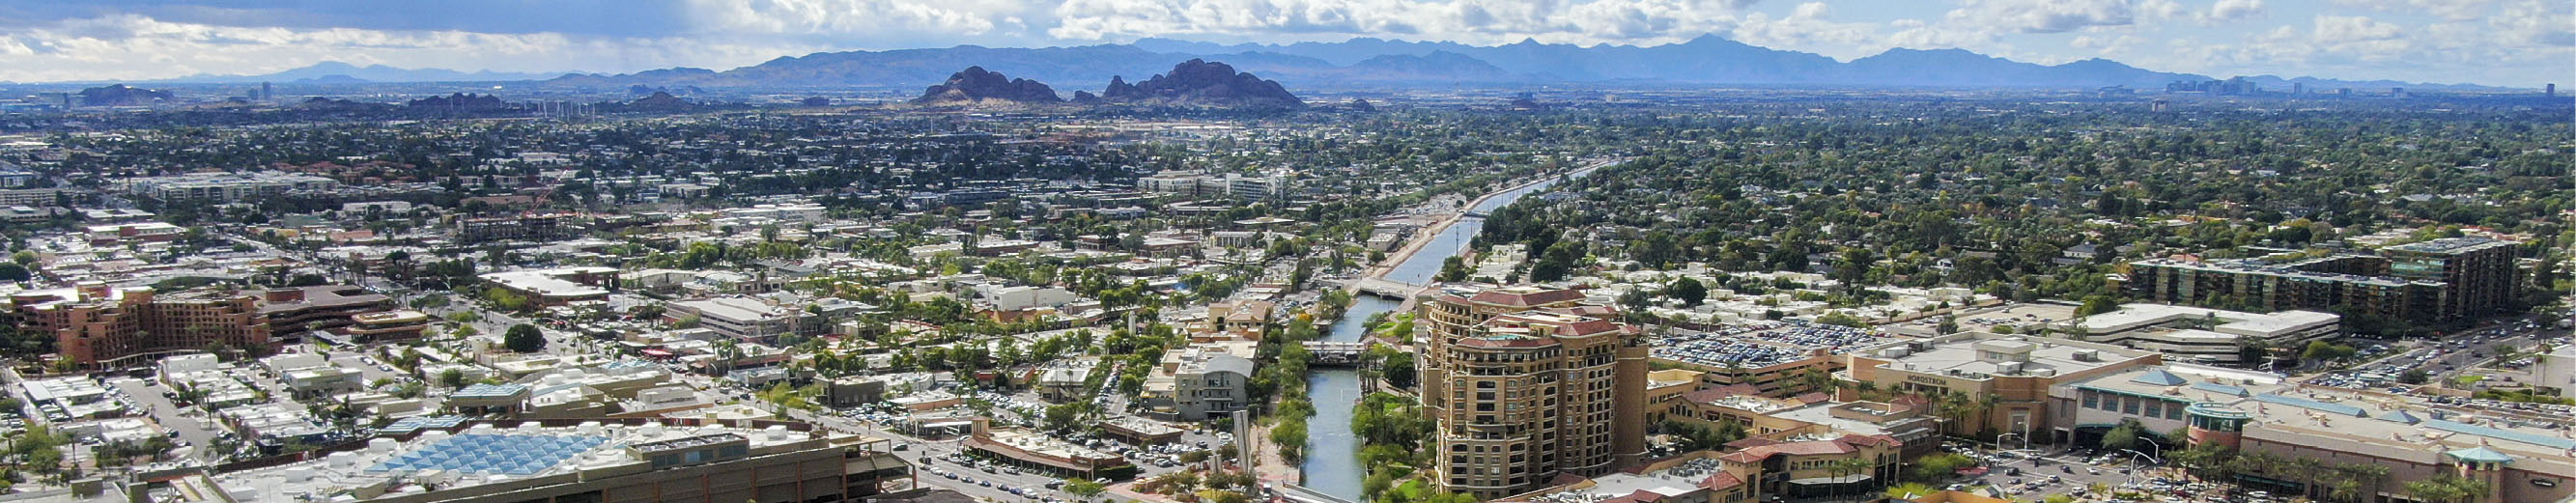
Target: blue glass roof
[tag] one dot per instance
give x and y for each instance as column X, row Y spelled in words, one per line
column 490, row 390
column 2400, row 416
column 2480, row 454
column 492, row 454
column 2220, row 389
column 2158, row 377
column 2500, row 434
column 2330, row 408
column 416, row 423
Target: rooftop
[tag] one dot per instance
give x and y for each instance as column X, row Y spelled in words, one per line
column 477, row 455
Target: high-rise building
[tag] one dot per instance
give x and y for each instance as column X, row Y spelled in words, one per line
column 2438, row 280
column 1526, row 384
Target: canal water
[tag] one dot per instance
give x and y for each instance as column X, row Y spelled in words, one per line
column 1332, row 451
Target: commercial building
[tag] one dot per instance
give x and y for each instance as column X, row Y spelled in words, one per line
column 400, row 325
column 542, row 227
column 1045, row 454
column 222, row 188
column 1754, row 469
column 746, row 319
column 1527, row 384
column 2437, row 280
column 558, row 286
column 1778, row 418
column 1197, row 383
column 2520, row 455
column 608, row 461
column 2203, row 335
column 2015, row 372
column 293, row 311
column 97, row 326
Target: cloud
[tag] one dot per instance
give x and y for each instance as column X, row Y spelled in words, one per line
column 2231, row 10
column 1469, row 21
column 2043, row 16
column 126, row 47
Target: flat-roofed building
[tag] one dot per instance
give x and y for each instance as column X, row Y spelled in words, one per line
column 601, row 460
column 2437, row 280
column 2202, row 334
column 2016, row 371
column 293, row 311
column 1044, row 453
column 397, row 325
column 745, row 319
column 557, row 286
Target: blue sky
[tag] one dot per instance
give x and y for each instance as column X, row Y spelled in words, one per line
column 2519, row 43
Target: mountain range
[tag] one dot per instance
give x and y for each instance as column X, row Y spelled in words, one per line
column 334, row 72
column 1368, row 63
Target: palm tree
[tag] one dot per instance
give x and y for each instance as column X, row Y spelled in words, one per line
column 1851, row 466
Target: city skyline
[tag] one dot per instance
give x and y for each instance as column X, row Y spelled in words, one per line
column 2512, row 43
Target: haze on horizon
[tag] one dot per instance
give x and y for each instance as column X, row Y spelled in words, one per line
column 2515, row 43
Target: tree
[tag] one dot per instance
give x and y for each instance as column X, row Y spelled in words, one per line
column 452, row 378
column 1909, row 490
column 2097, row 304
column 524, row 338
column 2127, row 435
column 1687, row 290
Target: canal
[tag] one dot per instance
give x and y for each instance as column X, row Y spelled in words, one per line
column 1332, row 451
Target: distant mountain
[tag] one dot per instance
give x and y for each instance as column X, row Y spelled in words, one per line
column 1961, row 68
column 976, row 85
column 1379, row 63
column 1202, row 83
column 334, row 72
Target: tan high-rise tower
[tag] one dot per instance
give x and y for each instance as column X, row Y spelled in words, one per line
column 1526, row 384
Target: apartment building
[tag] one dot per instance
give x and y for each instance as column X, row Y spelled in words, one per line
column 98, row 326
column 2437, row 280
column 1528, row 384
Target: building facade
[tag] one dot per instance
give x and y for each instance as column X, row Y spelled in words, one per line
column 2437, row 280
column 97, row 326
column 1527, row 384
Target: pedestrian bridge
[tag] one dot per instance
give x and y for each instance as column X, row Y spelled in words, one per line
column 1388, row 288
column 1330, row 354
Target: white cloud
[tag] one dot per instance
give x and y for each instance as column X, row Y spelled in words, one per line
column 2043, row 16
column 1469, row 21
column 2231, row 10
column 124, row 47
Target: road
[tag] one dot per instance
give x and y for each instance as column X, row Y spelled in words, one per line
column 192, row 425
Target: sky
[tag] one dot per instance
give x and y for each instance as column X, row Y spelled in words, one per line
column 2517, row 43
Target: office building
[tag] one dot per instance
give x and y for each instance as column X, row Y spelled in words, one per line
column 2203, row 335
column 1528, row 384
column 547, row 227
column 1197, row 383
column 223, row 188
column 385, row 326
column 746, row 319
column 606, row 460
column 2439, row 280
column 293, row 311
column 97, row 326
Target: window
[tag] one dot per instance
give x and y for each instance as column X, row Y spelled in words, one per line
column 2092, row 400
